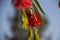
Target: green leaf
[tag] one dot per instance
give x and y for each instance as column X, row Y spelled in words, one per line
column 37, row 3
column 35, row 8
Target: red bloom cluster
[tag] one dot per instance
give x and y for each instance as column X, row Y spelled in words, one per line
column 22, row 3
column 37, row 20
column 30, row 19
column 34, row 20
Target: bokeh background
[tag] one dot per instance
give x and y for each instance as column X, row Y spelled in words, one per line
column 51, row 9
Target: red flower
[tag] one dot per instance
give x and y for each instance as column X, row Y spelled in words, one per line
column 37, row 20
column 34, row 20
column 30, row 19
column 25, row 4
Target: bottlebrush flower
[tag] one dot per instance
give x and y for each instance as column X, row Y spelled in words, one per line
column 36, row 20
column 30, row 19
column 25, row 4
